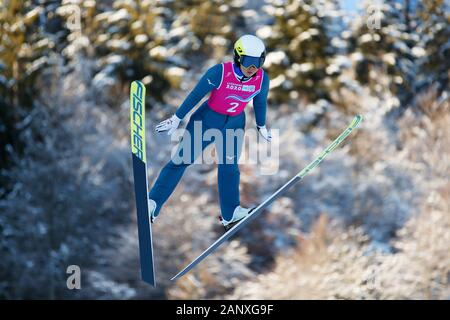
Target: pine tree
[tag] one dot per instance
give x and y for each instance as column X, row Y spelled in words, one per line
column 23, row 50
column 202, row 30
column 308, row 36
column 434, row 33
column 387, row 48
column 23, row 55
column 118, row 37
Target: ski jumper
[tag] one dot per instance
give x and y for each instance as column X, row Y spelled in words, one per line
column 223, row 110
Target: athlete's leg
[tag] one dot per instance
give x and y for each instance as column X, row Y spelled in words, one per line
column 172, row 172
column 228, row 170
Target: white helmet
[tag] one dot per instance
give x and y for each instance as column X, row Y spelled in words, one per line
column 249, row 50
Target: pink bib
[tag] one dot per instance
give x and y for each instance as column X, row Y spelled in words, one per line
column 232, row 96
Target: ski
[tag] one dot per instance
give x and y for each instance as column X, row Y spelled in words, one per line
column 137, row 126
column 256, row 211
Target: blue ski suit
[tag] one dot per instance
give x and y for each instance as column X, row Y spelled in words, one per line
column 228, row 171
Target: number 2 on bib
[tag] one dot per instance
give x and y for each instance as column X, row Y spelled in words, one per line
column 234, row 106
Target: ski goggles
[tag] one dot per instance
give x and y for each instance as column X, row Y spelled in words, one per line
column 247, row 62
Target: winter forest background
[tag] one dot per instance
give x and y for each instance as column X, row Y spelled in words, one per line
column 372, row 222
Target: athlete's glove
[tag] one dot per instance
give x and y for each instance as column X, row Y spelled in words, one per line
column 169, row 125
column 266, row 134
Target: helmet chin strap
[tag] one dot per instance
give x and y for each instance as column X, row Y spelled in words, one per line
column 244, row 77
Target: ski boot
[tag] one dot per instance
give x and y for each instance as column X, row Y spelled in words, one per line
column 151, row 210
column 238, row 214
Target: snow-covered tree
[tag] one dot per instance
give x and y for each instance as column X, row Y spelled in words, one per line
column 434, row 30
column 124, row 40
column 303, row 44
column 384, row 42
column 64, row 206
column 23, row 55
column 202, row 30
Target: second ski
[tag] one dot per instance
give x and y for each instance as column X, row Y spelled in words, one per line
column 256, row 211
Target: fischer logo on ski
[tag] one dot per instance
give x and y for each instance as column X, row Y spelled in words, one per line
column 138, row 121
column 137, row 126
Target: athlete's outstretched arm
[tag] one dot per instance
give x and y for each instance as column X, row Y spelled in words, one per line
column 210, row 80
column 260, row 102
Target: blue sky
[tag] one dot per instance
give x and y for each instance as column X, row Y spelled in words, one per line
column 349, row 5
